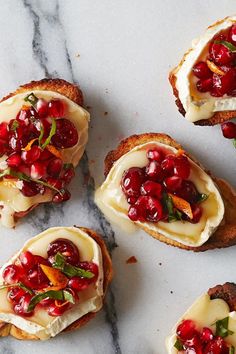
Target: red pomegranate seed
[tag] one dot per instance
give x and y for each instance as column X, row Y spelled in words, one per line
column 91, row 267
column 36, row 278
column 66, row 134
column 56, row 109
column 207, row 335
column 188, row 192
column 57, row 183
column 224, row 84
column 54, row 310
column 38, row 170
column 67, row 248
column 68, row 175
column 31, row 155
column 151, row 188
column 134, row 214
column 186, row 330
column 14, row 160
column 54, row 167
column 153, row 170
column 27, row 259
column 154, row 154
column 23, row 116
column 14, row 294
column 78, row 284
column 182, row 167
column 216, row 346
column 24, row 169
column 151, row 208
column 197, row 213
column 229, row 130
column 3, row 147
column 42, row 108
column 46, row 302
column 194, row 343
column 29, row 189
column 21, row 308
column 41, row 260
column 167, row 164
column 45, row 155
column 12, row 274
column 4, row 131
column 201, row 70
column 220, row 54
column 63, row 196
column 204, row 85
column 173, row 183
column 232, row 35
column 132, row 180
column 132, row 200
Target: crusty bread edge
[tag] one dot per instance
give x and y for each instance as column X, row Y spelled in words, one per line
column 227, row 226
column 9, row 329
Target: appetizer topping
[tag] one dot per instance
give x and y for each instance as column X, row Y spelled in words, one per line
column 191, row 339
column 53, row 283
column 31, row 145
column 161, row 190
column 229, row 131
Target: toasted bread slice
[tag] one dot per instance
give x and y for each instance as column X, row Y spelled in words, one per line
column 7, row 329
column 225, row 235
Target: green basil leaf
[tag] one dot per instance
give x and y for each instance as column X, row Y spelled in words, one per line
column 51, row 133
column 20, row 285
column 31, row 98
column 201, row 197
column 68, row 269
column 222, row 328
column 232, row 350
column 228, row 45
column 173, row 214
column 178, row 345
column 41, row 134
column 68, row 296
column 15, row 125
column 63, row 295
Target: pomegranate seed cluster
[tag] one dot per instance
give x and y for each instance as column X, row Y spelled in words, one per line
column 191, row 340
column 150, row 190
column 217, row 74
column 32, row 143
column 27, row 283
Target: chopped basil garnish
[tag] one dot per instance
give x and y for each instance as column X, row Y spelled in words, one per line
column 52, row 132
column 173, row 214
column 63, row 295
column 68, row 269
column 228, row 45
column 222, row 328
column 5, row 172
column 20, row 285
column 232, row 350
column 178, row 345
column 15, row 125
column 41, row 134
column 31, row 98
column 201, row 197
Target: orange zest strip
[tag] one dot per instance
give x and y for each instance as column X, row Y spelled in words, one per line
column 54, row 151
column 180, row 152
column 56, row 277
column 182, row 205
column 61, row 305
column 214, row 68
column 28, row 146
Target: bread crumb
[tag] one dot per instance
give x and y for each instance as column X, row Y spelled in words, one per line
column 160, row 264
column 131, row 260
column 171, row 292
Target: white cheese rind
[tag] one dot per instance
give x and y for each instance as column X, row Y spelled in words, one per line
column 42, row 325
column 205, row 312
column 11, row 199
column 111, row 200
column 205, row 108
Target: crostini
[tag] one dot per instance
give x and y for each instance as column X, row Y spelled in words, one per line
column 208, row 326
column 153, row 184
column 56, row 282
column 43, row 133
column 204, row 82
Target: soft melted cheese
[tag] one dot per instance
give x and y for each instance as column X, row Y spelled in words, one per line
column 41, row 324
column 205, row 312
column 11, row 199
column 112, row 201
column 204, row 108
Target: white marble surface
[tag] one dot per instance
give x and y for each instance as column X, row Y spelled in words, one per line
column 126, row 49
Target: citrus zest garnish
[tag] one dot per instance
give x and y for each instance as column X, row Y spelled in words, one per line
column 28, row 146
column 180, row 152
column 54, row 151
column 214, row 68
column 56, row 277
column 61, row 305
column 182, row 205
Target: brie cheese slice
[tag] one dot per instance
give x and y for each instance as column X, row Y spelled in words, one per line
column 11, row 199
column 41, row 324
column 205, row 312
column 200, row 106
column 112, row 201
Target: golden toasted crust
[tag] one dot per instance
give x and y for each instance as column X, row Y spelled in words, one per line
column 225, row 235
column 8, row 329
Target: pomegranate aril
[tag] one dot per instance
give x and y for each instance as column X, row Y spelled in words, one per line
column 46, row 302
column 3, row 147
column 12, row 274
column 36, row 278
column 78, row 284
column 151, row 209
column 229, row 130
column 21, row 308
column 216, row 346
column 67, row 248
column 14, row 294
column 54, row 167
column 151, row 188
column 54, row 310
column 188, row 192
column 194, row 343
column 29, row 189
column 45, row 155
column 38, row 170
column 173, row 183
column 24, row 169
column 132, row 200
column 154, row 154
column 4, row 131
column 206, row 335
column 132, row 180
column 63, row 196
column 133, row 213
column 42, row 108
column 167, row 164
column 197, row 213
column 23, row 116
column 91, row 267
column 204, row 85
column 182, row 167
column 27, row 259
column 232, row 34
column 186, row 330
column 66, row 134
column 220, row 54
column 153, row 170
column 56, row 108
column 224, row 84
column 14, row 160
column 57, row 183
column 68, row 175
column 201, row 70
column 31, row 155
